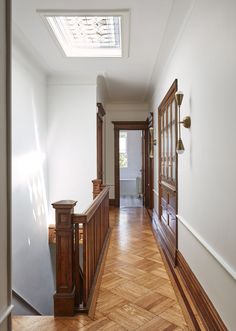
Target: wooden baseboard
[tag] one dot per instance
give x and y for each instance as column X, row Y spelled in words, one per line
column 112, row 202
column 202, row 314
column 150, row 212
column 205, row 308
column 98, row 278
column 186, row 307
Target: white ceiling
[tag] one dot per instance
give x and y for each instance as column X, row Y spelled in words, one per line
column 127, row 79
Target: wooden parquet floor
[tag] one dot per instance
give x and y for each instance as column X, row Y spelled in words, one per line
column 135, row 293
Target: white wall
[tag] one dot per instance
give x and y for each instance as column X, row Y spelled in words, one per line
column 72, row 143
column 119, row 112
column 5, row 265
column 32, row 270
column 203, row 60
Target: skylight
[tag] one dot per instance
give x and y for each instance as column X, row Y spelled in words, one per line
column 88, row 35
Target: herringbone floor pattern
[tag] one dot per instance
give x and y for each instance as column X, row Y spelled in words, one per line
column 135, row 292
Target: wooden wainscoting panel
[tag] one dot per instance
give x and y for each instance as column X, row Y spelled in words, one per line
column 167, row 240
column 112, row 202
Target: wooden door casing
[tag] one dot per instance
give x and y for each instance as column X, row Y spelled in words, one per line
column 100, row 114
column 168, row 173
column 150, row 167
column 127, row 125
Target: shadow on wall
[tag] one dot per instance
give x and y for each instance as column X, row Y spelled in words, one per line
column 33, row 263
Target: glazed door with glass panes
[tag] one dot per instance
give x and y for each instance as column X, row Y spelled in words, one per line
column 167, row 124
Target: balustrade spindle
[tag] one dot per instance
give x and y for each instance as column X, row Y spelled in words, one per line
column 81, row 244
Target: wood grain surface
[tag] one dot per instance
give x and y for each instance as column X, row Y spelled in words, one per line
column 135, row 293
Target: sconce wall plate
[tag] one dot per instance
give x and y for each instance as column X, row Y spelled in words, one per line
column 186, row 122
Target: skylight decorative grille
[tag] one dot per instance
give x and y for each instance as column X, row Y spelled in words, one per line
column 88, row 35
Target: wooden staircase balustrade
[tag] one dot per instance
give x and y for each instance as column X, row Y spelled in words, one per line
column 65, row 286
column 80, row 244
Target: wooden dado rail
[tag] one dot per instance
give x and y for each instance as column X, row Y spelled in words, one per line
column 81, row 240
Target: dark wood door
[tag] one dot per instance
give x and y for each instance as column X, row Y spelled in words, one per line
column 168, row 170
column 150, row 168
column 99, row 147
column 100, row 114
column 143, row 170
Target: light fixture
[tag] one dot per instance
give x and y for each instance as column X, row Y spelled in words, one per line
column 153, row 142
column 89, row 33
column 186, row 122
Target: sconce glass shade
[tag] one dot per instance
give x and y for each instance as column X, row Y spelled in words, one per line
column 151, row 153
column 180, row 147
column 179, row 97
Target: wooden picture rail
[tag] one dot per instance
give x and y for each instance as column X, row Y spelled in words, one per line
column 81, row 240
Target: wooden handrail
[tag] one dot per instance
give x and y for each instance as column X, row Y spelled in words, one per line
column 86, row 217
column 80, row 244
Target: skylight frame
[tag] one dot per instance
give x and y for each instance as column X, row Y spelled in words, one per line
column 96, row 52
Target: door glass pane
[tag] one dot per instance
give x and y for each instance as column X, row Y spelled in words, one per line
column 164, row 143
column 162, row 149
column 169, row 142
column 173, row 140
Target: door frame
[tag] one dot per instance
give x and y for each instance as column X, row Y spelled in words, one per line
column 150, row 166
column 126, row 125
column 5, row 163
column 100, row 114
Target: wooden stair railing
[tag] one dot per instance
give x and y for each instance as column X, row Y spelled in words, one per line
column 81, row 240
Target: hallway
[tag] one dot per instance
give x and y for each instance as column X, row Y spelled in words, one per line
column 135, row 292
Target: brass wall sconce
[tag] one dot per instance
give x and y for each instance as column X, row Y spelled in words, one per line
column 186, row 122
column 153, row 143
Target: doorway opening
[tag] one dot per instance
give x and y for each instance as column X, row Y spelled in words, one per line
column 141, row 189
column 131, row 168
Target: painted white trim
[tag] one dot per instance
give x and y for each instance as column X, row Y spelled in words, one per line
column 155, row 192
column 216, row 255
column 155, row 215
column 5, row 313
column 49, row 83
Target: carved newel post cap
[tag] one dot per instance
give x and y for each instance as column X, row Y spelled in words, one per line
column 64, row 204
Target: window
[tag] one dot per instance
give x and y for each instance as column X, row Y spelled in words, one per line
column 90, row 34
column 123, row 150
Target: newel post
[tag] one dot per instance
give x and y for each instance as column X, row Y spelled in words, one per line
column 64, row 297
column 97, row 187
